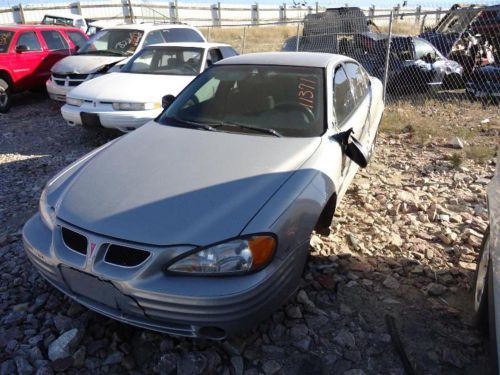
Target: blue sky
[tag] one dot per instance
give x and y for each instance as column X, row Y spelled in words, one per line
column 327, row 3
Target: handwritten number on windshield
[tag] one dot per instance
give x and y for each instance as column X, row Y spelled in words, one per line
column 306, row 91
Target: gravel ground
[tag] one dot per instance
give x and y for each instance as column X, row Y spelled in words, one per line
column 402, row 251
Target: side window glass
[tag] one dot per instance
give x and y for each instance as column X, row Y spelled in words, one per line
column 54, row 40
column 77, row 38
column 343, row 102
column 154, row 37
column 358, row 81
column 30, row 40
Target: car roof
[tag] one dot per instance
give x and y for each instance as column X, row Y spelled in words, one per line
column 37, row 27
column 307, row 59
column 190, row 44
column 149, row 26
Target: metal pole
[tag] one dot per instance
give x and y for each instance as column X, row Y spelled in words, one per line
column 388, row 54
column 208, row 34
column 298, row 37
column 244, row 39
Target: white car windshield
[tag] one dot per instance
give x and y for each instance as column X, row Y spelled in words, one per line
column 113, row 42
column 178, row 61
column 277, row 100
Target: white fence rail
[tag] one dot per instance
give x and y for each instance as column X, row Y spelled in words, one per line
column 195, row 14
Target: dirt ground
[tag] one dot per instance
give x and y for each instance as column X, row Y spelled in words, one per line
column 402, row 249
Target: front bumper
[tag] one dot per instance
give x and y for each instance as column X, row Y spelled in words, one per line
column 57, row 92
column 144, row 296
column 109, row 118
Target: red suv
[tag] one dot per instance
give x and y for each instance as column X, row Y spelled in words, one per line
column 28, row 52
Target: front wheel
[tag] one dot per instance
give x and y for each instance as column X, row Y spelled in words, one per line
column 481, row 285
column 5, row 96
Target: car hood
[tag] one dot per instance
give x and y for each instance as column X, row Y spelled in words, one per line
column 162, row 185
column 84, row 64
column 130, row 87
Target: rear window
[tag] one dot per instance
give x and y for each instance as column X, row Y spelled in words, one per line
column 77, row 38
column 181, row 35
column 5, row 39
column 54, row 40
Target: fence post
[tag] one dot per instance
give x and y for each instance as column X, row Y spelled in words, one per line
column 244, row 39
column 219, row 14
column 371, row 12
column 20, row 9
column 396, row 12
column 208, row 34
column 388, row 54
column 283, row 12
column 130, row 11
column 255, row 14
column 418, row 15
column 79, row 8
column 297, row 41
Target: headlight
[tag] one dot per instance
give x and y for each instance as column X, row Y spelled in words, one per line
column 232, row 257
column 74, row 101
column 135, row 106
column 46, row 212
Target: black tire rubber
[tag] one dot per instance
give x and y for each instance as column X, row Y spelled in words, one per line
column 481, row 305
column 6, row 101
column 493, row 352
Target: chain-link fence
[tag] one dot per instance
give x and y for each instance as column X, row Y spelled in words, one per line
column 448, row 55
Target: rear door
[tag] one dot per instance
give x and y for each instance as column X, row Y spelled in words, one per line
column 27, row 60
column 57, row 48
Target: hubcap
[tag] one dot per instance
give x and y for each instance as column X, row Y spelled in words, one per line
column 482, row 270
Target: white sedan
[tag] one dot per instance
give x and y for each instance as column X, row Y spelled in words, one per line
column 128, row 99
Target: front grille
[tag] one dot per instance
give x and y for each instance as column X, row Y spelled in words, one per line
column 70, row 76
column 125, row 256
column 75, row 241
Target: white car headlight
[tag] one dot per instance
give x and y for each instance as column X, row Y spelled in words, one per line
column 135, row 106
column 74, row 101
column 232, row 257
column 46, row 211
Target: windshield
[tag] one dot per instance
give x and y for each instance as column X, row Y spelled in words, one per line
column 177, row 61
column 5, row 38
column 282, row 100
column 113, row 42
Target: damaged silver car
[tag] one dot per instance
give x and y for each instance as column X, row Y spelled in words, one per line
column 198, row 223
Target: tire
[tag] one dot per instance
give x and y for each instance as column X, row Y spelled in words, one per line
column 492, row 324
column 481, row 285
column 5, row 96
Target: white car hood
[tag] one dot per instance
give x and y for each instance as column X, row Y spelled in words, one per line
column 130, row 87
column 84, row 64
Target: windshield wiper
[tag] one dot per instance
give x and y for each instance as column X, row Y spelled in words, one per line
column 250, row 127
column 196, row 125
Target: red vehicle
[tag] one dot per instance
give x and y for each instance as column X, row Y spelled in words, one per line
column 28, row 52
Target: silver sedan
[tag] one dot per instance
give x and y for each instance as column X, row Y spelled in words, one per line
column 198, row 223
